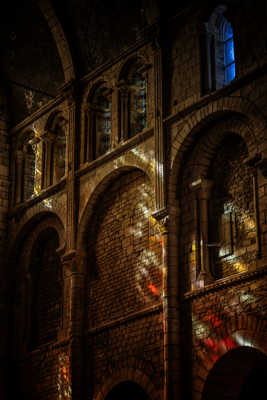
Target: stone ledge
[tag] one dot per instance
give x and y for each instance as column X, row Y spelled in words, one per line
column 123, row 320
column 116, row 152
column 226, row 282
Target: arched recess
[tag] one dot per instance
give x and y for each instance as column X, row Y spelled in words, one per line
column 119, row 212
column 216, row 191
column 96, row 122
column 26, row 167
column 59, row 37
column 211, row 113
column 133, row 83
column 125, row 376
column 35, row 260
column 54, row 149
column 240, row 374
column 133, row 162
column 129, row 390
column 124, row 274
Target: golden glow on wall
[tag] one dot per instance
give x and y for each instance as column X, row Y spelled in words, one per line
column 63, row 378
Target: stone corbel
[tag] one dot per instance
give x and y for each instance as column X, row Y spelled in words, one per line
column 73, row 262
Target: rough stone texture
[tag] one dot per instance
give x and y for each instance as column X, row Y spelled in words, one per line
column 141, row 300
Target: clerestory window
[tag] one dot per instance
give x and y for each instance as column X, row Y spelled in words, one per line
column 218, row 56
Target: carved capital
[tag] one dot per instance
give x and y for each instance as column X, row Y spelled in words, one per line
column 73, row 262
column 203, row 187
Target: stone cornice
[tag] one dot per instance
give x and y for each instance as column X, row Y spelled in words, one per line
column 37, row 114
column 116, row 152
column 233, row 280
column 123, row 320
column 236, row 84
column 45, row 193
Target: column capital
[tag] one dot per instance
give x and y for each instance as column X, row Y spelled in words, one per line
column 162, row 217
column 74, row 261
column 203, row 187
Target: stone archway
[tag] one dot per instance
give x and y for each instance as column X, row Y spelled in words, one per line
column 240, row 374
column 127, row 390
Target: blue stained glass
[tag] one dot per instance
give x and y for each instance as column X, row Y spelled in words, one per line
column 230, row 73
column 229, row 51
column 228, row 33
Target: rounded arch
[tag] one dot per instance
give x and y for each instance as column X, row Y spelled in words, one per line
column 237, row 375
column 30, row 230
column 210, row 114
column 92, row 90
column 59, row 37
column 134, row 376
column 205, row 148
column 55, row 120
column 99, row 188
column 237, row 332
column 129, row 64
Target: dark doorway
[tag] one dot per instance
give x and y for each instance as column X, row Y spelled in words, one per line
column 127, row 391
column 240, row 374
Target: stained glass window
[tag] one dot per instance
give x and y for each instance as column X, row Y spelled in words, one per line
column 138, row 101
column 229, row 56
column 102, row 108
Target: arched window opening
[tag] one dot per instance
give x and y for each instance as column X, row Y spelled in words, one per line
column 97, row 126
column 229, row 55
column 26, row 162
column 54, row 150
column 232, row 227
column 46, row 290
column 218, row 57
column 137, row 102
column 101, row 122
column 133, row 100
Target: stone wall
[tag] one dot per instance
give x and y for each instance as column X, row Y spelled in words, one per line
column 124, row 247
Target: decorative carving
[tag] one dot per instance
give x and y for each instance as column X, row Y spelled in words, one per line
column 73, row 262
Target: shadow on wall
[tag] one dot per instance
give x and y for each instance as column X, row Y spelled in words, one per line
column 238, row 375
column 127, row 390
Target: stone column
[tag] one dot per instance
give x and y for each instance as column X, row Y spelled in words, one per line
column 160, row 146
column 124, row 112
column 72, row 151
column 74, row 271
column 170, row 312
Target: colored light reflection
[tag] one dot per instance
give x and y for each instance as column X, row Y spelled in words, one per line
column 63, row 378
column 212, row 335
column 153, row 289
